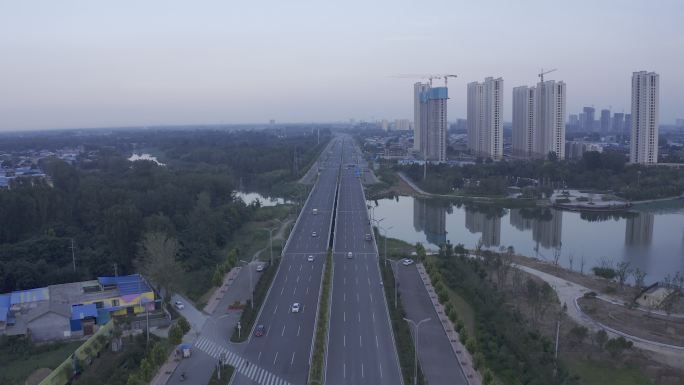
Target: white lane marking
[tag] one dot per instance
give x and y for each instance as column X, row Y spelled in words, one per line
column 297, row 279
column 309, row 278
column 344, row 370
column 344, row 297
column 275, row 359
column 294, row 291
column 307, row 290
column 359, row 317
column 276, row 309
column 380, row 364
column 289, row 268
column 292, row 360
column 301, row 267
column 368, row 281
column 299, row 328
column 373, row 314
column 344, row 280
column 377, row 345
column 357, row 297
column 259, row 356
column 281, row 290
column 344, row 341
column 360, row 341
column 371, row 297
column 362, row 370
column 344, row 316
column 283, row 332
column 286, row 278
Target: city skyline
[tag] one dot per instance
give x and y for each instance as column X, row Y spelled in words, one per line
column 70, row 66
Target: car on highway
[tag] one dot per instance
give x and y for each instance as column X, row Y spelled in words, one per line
column 260, row 268
column 407, row 262
column 368, row 237
column 179, row 305
column 314, row 211
column 350, row 255
column 295, row 307
column 310, row 258
column 314, row 234
column 260, row 330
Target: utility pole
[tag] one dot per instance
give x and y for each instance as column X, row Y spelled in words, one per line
column 73, row 255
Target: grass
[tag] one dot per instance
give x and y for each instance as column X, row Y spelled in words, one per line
column 250, row 238
column 15, row 367
column 396, row 248
column 593, row 372
column 227, row 372
column 316, row 371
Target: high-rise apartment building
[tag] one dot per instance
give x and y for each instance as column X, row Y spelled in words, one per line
column 645, row 117
column 573, row 122
column 588, row 123
column 627, row 127
column 419, row 131
column 523, row 121
column 618, row 122
column 485, row 118
column 550, row 118
column 605, row 121
column 430, row 121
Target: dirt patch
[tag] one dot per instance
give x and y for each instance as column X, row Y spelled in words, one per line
column 635, row 322
column 37, row 376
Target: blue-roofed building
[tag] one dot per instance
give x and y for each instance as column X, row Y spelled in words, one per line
column 75, row 309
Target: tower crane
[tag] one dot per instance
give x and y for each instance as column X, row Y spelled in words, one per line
column 429, row 77
column 542, row 73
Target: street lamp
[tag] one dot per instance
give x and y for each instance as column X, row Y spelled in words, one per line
column 415, row 347
column 385, row 229
column 270, row 237
column 251, row 288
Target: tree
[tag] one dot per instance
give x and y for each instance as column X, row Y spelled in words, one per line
column 600, row 338
column 184, row 325
column 158, row 354
column 158, row 262
column 146, row 369
column 577, row 335
column 639, row 276
column 175, row 334
column 616, row 346
column 622, row 271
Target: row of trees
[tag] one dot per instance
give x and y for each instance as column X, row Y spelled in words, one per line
column 607, row 171
column 106, row 206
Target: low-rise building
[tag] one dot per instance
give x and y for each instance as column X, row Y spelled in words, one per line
column 72, row 310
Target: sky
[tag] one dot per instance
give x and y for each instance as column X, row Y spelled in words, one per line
column 76, row 64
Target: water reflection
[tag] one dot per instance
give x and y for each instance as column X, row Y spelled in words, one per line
column 650, row 239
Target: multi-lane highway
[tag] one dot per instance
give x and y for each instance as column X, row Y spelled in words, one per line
column 361, row 348
column 282, row 354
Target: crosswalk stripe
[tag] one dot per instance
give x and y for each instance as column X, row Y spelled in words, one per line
column 252, row 372
column 260, row 375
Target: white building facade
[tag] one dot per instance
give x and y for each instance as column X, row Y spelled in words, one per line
column 550, row 119
column 645, row 117
column 524, row 104
column 485, row 118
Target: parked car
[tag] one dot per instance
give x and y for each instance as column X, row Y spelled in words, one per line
column 407, row 262
column 260, row 268
column 310, row 258
column 179, row 305
column 295, row 307
column 260, row 330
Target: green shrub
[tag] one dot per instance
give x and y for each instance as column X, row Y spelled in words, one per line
column 184, row 325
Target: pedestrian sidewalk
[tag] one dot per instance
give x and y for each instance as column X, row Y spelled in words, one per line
column 464, row 358
column 167, row 369
column 220, row 292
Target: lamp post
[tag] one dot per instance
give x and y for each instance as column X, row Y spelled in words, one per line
column 415, row 347
column 385, row 229
column 270, row 237
column 251, row 288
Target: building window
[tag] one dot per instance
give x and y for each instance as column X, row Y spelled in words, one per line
column 115, row 302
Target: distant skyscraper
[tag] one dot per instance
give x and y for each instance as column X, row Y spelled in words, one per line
column 550, row 118
column 588, row 122
column 605, row 121
column 581, row 121
column 419, row 129
column 385, row 125
column 485, row 118
column 618, row 122
column 573, row 122
column 645, row 117
column 432, row 121
column 402, row 124
column 523, row 121
column 627, row 127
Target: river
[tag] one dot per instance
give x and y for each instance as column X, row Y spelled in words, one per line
column 651, row 238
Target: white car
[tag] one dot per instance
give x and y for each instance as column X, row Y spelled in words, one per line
column 407, row 262
column 260, row 268
column 295, row 307
column 349, row 255
column 179, row 305
column 310, row 258
column 313, row 234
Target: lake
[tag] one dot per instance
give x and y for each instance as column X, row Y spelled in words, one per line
column 651, row 239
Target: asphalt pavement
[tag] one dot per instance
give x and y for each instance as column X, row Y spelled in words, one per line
column 285, row 349
column 437, row 359
column 361, row 348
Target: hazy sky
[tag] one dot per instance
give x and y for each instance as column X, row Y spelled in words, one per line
column 141, row 62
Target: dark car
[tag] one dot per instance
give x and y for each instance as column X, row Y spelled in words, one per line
column 259, row 331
